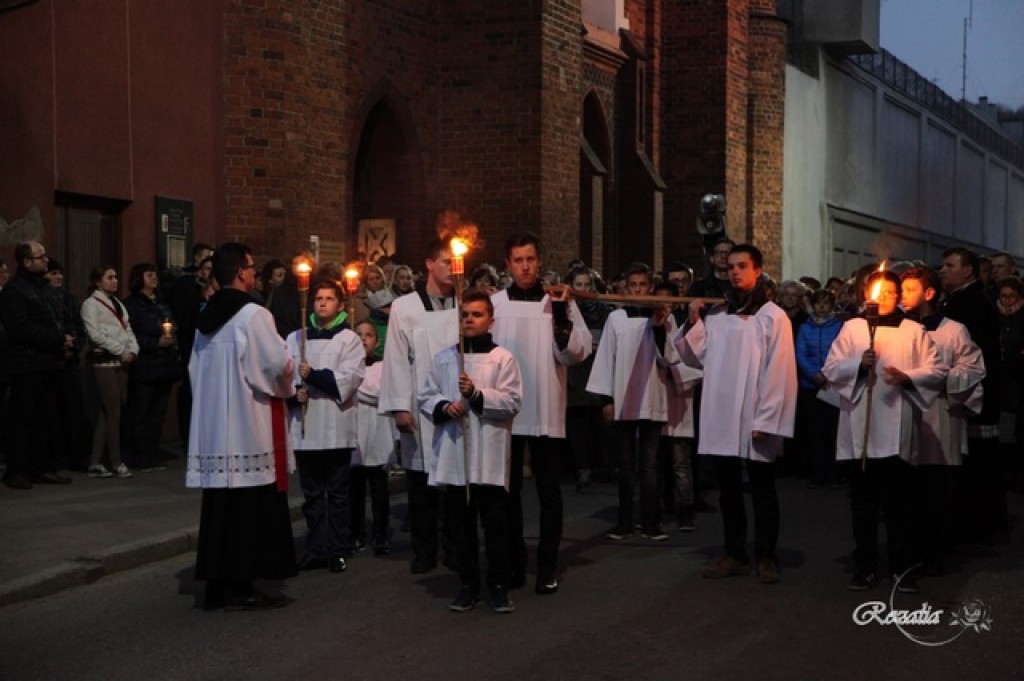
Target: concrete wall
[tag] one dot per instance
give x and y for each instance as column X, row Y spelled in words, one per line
column 870, row 173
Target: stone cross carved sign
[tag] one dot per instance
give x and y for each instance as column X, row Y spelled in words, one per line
column 376, row 238
column 27, row 228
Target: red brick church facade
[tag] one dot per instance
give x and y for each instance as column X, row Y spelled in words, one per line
column 597, row 124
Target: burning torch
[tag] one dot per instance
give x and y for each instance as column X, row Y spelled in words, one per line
column 303, row 268
column 459, row 248
column 871, row 317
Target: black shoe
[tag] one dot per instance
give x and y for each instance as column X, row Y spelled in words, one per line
column 422, row 566
column 620, row 532
column 336, row 564
column 18, row 481
column 310, row 562
column 468, row 597
column 654, row 533
column 256, row 601
column 500, row 602
column 862, row 581
column 906, row 584
column 546, row 586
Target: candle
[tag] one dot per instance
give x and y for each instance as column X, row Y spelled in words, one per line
column 167, row 328
column 352, row 280
column 302, row 271
column 459, row 248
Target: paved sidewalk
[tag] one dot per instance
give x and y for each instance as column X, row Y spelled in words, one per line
column 59, row 536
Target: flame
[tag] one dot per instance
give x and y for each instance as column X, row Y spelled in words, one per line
column 451, row 226
column 459, row 247
column 876, row 288
column 352, row 276
column 303, row 267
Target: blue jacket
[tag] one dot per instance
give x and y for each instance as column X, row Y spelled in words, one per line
column 813, row 342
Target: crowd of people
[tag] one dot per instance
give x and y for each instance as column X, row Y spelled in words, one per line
column 900, row 383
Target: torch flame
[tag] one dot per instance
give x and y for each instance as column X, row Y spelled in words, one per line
column 459, row 247
column 876, row 288
column 352, row 275
column 303, row 268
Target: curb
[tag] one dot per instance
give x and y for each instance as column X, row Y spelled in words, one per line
column 92, row 567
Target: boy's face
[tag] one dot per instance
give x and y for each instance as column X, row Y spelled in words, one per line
column 476, row 319
column 368, row 335
column 638, row 284
column 326, row 305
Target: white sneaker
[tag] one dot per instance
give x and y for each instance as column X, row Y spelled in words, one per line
column 122, row 471
column 99, row 471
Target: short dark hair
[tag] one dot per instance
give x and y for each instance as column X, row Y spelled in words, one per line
column 484, row 271
column 331, row 284
column 967, row 257
column 519, row 240
column 637, row 267
column 821, row 295
column 928, row 277
column 810, row 282
column 887, row 275
column 136, row 278
column 436, row 246
column 478, row 296
column 677, row 266
column 22, row 252
column 200, row 246
column 753, row 251
column 227, row 260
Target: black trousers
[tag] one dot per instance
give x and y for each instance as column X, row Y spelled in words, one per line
column 324, row 477
column 638, row 455
column 545, row 456
column 934, row 513
column 145, row 411
column 30, row 411
column 886, row 485
column 377, row 478
column 489, row 503
column 729, row 477
column 423, row 501
column 985, row 487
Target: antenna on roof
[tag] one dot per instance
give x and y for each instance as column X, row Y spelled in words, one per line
column 963, row 77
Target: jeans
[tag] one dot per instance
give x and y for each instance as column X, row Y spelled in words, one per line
column 324, row 477
column 638, row 445
column 490, row 503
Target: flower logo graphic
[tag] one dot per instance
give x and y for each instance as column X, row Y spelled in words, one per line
column 973, row 614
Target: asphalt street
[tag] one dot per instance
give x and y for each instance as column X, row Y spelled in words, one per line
column 630, row 610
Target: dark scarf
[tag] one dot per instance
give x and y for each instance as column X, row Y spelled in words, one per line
column 479, row 344
column 221, row 307
column 893, row 320
column 738, row 302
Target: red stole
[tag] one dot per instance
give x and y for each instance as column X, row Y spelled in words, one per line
column 280, row 430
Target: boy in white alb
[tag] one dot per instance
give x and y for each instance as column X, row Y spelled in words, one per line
column 472, row 412
column 377, row 436
column 329, row 378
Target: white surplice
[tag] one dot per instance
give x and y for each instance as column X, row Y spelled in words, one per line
column 377, row 432
column 526, row 330
column 330, row 421
column 235, row 373
column 750, row 381
column 496, row 375
column 944, row 425
column 415, row 336
column 631, row 369
column 895, row 412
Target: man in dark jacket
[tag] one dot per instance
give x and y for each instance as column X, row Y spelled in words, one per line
column 967, row 303
column 37, row 347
